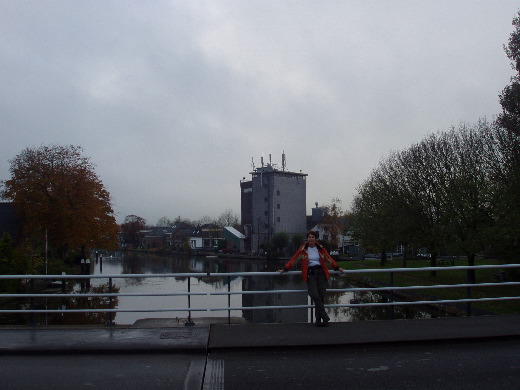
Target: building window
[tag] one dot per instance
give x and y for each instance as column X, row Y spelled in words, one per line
column 278, row 206
column 278, row 219
column 265, row 212
column 278, row 192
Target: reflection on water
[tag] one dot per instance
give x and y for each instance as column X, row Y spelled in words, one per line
column 154, row 264
column 157, row 264
column 267, row 283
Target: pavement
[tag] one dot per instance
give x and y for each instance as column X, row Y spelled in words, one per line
column 163, row 335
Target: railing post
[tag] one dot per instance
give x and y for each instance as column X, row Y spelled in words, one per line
column 189, row 322
column 468, row 293
column 110, row 315
column 312, row 311
column 32, row 322
column 229, row 299
column 392, row 315
column 63, row 291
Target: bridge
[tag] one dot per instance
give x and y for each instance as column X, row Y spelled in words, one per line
column 481, row 352
column 473, row 352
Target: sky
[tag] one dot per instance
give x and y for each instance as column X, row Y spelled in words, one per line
column 173, row 100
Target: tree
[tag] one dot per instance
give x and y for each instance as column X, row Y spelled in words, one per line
column 164, row 222
column 507, row 171
column 130, row 229
column 436, row 194
column 278, row 243
column 371, row 216
column 204, row 220
column 467, row 212
column 6, row 247
column 510, row 98
column 228, row 218
column 56, row 190
column 334, row 221
column 296, row 241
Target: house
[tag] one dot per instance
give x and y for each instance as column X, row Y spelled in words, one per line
column 208, row 237
column 235, row 241
column 212, row 237
column 156, row 238
column 182, row 233
column 196, row 242
column 345, row 242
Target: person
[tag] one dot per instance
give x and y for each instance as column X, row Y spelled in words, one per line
column 314, row 258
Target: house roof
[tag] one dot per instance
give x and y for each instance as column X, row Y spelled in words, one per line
column 156, row 231
column 233, row 235
column 234, row 231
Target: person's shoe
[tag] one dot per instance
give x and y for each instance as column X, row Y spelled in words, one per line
column 322, row 323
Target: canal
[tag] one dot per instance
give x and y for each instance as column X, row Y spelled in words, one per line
column 162, row 264
column 151, row 264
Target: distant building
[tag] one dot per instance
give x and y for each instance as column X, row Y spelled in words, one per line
column 317, row 216
column 9, row 222
column 155, row 238
column 316, row 222
column 235, row 241
column 273, row 201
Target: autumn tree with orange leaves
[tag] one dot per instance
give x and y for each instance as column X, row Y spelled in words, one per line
column 57, row 194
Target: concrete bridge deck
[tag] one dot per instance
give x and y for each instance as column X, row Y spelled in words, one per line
column 168, row 336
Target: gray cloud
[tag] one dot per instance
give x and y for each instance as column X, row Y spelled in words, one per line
column 171, row 99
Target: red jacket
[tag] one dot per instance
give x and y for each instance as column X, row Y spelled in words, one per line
column 303, row 255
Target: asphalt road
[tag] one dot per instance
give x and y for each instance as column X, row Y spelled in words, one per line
column 471, row 364
column 459, row 365
column 102, row 371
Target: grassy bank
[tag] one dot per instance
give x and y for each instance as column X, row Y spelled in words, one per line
column 445, row 277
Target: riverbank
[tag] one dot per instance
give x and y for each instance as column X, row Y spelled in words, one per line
column 195, row 253
column 443, row 277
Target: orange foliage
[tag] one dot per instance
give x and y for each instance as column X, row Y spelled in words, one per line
column 55, row 189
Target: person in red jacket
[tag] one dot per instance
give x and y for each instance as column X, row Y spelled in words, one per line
column 314, row 258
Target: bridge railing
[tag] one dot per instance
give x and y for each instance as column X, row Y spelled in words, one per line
column 111, row 293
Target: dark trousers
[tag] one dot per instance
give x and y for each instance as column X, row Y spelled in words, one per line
column 316, row 286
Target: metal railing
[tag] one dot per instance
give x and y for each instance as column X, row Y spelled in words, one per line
column 391, row 289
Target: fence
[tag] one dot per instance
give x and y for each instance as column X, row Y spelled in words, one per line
column 391, row 289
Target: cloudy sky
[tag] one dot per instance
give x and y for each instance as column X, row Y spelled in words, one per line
column 172, row 99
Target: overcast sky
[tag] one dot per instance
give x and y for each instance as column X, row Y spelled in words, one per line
column 172, row 99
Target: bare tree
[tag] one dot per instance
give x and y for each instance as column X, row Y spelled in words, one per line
column 164, row 222
column 228, row 218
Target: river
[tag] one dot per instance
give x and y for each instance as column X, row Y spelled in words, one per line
column 162, row 264
column 150, row 264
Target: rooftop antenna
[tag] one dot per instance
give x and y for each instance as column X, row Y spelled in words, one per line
column 270, row 159
column 253, row 164
column 283, row 160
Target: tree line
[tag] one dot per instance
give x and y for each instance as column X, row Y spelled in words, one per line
column 454, row 192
